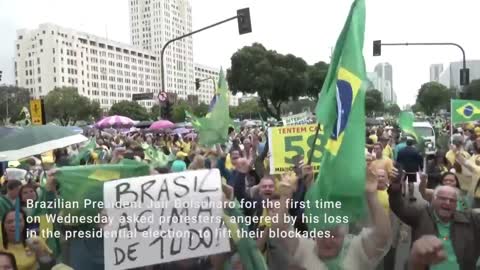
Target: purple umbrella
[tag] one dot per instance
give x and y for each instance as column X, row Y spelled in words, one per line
column 115, row 121
column 181, row 131
column 191, row 136
column 162, row 124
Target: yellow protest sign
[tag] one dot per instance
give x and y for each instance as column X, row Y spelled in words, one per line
column 289, row 143
column 36, row 111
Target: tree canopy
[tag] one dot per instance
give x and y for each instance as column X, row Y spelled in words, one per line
column 17, row 98
column 68, row 107
column 472, row 91
column 155, row 112
column 130, row 109
column 275, row 77
column 373, row 102
column 316, row 77
column 433, row 96
column 178, row 111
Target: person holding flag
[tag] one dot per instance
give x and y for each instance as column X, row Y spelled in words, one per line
column 341, row 116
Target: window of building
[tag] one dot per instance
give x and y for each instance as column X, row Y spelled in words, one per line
column 63, row 79
column 39, row 79
column 38, row 70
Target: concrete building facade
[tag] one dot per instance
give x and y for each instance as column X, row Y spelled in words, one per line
column 102, row 70
column 152, row 24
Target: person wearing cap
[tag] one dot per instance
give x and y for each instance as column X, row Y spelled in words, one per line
column 178, row 166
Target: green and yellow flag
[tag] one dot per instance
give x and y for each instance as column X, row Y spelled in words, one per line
column 213, row 128
column 465, row 111
column 78, row 183
column 340, row 113
column 157, row 158
column 405, row 122
column 250, row 255
column 84, row 153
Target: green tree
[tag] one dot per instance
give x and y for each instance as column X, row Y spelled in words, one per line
column 68, row 107
column 246, row 110
column 130, row 109
column 155, row 112
column 374, row 102
column 275, row 77
column 393, row 109
column 17, row 98
column 316, row 77
column 472, row 91
column 178, row 111
column 433, row 96
column 417, row 108
column 200, row 110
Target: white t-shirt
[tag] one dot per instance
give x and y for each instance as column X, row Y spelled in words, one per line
column 354, row 259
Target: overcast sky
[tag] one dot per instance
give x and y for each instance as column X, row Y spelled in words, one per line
column 306, row 28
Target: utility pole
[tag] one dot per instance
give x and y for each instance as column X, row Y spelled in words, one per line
column 464, row 72
column 244, row 27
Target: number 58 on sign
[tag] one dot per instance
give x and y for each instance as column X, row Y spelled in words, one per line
column 289, row 143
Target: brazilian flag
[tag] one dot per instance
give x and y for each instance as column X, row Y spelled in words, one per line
column 405, row 122
column 78, row 183
column 340, row 114
column 465, row 111
column 213, row 128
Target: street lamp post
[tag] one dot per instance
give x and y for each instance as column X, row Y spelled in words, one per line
column 244, row 26
column 198, row 81
column 464, row 72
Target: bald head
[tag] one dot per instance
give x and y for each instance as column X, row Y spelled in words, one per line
column 444, row 202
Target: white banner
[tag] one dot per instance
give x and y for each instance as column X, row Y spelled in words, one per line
column 162, row 218
column 296, row 119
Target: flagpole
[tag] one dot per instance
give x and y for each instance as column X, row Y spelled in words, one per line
column 312, row 147
column 451, row 120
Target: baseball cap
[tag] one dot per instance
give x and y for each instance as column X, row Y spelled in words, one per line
column 179, row 166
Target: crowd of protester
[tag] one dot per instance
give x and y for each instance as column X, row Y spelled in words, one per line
column 442, row 221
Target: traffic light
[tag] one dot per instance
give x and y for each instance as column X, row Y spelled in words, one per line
column 377, row 47
column 167, row 110
column 197, row 84
column 1, row 75
column 244, row 23
column 464, row 76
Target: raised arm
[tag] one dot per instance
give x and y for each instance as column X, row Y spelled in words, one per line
column 426, row 193
column 408, row 214
column 380, row 237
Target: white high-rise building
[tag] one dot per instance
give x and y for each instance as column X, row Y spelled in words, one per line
column 208, row 87
column 450, row 77
column 435, row 71
column 385, row 76
column 152, row 24
column 102, row 70
column 375, row 81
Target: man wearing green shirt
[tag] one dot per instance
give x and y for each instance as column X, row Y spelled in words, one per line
column 457, row 230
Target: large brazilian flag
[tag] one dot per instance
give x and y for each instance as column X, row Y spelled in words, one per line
column 465, row 110
column 340, row 113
